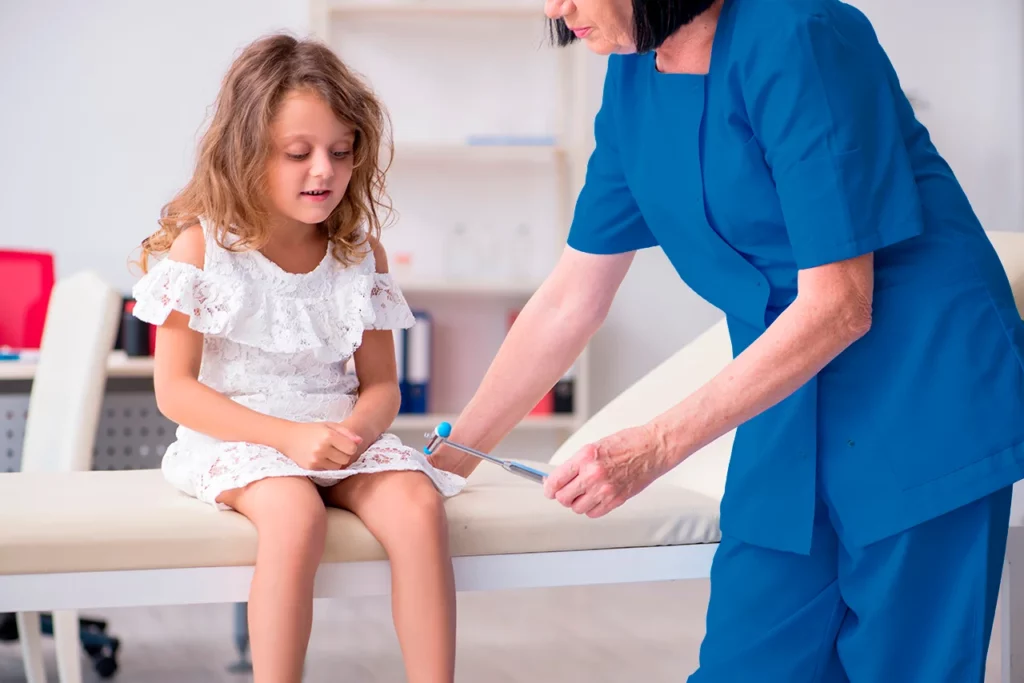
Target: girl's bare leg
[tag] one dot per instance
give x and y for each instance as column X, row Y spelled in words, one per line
column 406, row 514
column 290, row 521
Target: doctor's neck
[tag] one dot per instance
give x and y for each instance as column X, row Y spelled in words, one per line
column 688, row 50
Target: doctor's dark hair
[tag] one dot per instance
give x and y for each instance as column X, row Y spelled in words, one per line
column 653, row 22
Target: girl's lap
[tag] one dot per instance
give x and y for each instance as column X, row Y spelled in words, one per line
column 213, row 470
column 402, row 487
column 392, row 504
column 262, row 502
column 402, row 509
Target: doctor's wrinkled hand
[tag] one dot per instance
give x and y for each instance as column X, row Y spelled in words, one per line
column 603, row 475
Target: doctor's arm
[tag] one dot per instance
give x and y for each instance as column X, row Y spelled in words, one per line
column 826, row 117
column 831, row 311
column 546, row 338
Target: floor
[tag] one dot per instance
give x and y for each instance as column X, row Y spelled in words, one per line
column 647, row 633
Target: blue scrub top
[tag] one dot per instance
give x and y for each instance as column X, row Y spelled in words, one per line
column 799, row 149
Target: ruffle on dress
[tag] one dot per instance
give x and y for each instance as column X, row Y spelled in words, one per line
column 331, row 326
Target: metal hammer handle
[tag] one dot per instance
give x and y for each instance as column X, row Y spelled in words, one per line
column 440, row 435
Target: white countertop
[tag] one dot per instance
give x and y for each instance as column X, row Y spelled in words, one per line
column 118, row 365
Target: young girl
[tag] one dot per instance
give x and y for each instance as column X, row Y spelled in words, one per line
column 273, row 278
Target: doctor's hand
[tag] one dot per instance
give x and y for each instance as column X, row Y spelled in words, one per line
column 604, row 475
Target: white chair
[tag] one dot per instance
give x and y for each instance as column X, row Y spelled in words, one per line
column 64, row 409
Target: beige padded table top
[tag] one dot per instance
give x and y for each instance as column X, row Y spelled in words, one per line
column 99, row 521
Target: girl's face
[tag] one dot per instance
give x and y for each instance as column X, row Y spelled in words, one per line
column 604, row 26
column 310, row 159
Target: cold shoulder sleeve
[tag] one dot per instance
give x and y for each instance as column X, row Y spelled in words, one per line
column 176, row 286
column 390, row 309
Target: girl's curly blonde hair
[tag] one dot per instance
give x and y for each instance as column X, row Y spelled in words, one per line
column 228, row 186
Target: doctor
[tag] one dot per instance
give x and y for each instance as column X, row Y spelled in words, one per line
column 877, row 384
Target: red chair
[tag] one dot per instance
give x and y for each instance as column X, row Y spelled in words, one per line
column 26, row 280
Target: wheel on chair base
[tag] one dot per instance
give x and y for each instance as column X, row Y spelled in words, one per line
column 8, row 627
column 105, row 666
column 104, row 659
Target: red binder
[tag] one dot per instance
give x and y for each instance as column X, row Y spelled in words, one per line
column 26, row 281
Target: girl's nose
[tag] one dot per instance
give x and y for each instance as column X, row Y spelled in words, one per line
column 322, row 166
column 556, row 9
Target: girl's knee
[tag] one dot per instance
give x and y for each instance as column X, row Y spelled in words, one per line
column 288, row 514
column 396, row 506
column 422, row 507
column 304, row 523
column 299, row 529
column 401, row 504
column 420, row 493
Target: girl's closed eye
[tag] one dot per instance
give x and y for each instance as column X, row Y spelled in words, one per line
column 299, row 156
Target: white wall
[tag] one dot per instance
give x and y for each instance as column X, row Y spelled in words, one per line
column 103, row 101
column 966, row 62
column 102, row 104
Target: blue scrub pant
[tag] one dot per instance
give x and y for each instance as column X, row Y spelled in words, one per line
column 914, row 608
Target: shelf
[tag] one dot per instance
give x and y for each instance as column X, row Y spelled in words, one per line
column 522, row 153
column 119, row 365
column 546, row 156
column 535, row 422
column 473, row 288
column 122, row 366
column 448, row 7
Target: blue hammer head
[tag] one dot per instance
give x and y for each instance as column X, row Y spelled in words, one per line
column 440, row 433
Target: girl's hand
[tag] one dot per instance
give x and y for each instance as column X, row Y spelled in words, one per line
column 363, row 435
column 321, row 446
column 604, row 475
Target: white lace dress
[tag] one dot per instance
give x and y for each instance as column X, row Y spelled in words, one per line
column 276, row 342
